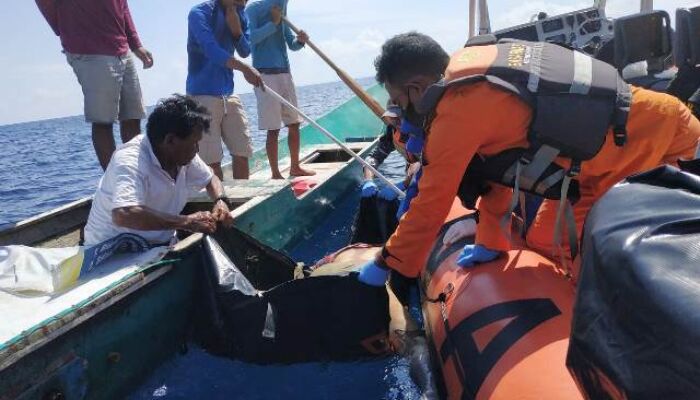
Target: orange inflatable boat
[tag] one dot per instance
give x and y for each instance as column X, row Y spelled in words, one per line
column 499, row 330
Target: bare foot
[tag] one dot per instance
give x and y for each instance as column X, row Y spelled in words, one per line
column 277, row 176
column 299, row 171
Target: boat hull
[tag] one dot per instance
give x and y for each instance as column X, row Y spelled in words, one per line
column 499, row 330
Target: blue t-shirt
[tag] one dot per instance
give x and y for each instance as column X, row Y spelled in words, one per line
column 210, row 44
column 269, row 41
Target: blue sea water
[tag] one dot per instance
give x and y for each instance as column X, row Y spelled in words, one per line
column 45, row 164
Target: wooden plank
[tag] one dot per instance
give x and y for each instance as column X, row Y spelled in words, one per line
column 49, row 225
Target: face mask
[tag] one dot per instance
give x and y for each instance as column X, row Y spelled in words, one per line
column 414, row 117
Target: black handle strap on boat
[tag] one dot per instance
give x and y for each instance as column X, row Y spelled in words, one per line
column 459, row 368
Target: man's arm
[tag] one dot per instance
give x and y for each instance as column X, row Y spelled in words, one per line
column 261, row 26
column 242, row 43
column 143, row 218
column 132, row 36
column 381, row 152
column 448, row 151
column 220, row 211
column 292, row 42
column 203, row 33
column 130, row 209
column 50, row 13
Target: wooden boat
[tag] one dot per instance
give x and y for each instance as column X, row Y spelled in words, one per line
column 97, row 348
column 99, row 343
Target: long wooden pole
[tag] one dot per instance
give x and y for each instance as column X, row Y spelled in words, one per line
column 330, row 136
column 376, row 108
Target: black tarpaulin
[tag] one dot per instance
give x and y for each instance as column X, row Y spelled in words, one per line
column 296, row 320
column 636, row 325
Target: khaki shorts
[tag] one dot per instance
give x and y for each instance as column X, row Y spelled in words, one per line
column 271, row 114
column 111, row 88
column 228, row 122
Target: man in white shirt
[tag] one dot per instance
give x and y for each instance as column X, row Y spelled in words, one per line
column 147, row 182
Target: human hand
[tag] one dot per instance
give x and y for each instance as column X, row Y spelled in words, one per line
column 475, row 254
column 234, row 21
column 252, row 76
column 369, row 189
column 145, row 56
column 372, row 274
column 221, row 213
column 389, row 194
column 459, row 230
column 202, row 222
column 302, row 37
column 276, row 15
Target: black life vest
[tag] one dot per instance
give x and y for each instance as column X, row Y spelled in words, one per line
column 575, row 99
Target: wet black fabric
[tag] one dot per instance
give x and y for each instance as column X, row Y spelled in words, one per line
column 299, row 320
column 375, row 221
column 636, row 323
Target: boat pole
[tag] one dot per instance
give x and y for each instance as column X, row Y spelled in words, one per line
column 330, row 136
column 373, row 105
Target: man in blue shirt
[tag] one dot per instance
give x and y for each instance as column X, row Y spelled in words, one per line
column 217, row 30
column 270, row 37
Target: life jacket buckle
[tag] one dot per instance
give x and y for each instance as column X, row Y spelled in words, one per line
column 620, row 135
column 526, row 159
column 574, row 171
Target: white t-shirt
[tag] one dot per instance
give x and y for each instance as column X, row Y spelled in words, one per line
column 135, row 177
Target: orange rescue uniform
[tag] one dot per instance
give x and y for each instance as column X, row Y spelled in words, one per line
column 480, row 119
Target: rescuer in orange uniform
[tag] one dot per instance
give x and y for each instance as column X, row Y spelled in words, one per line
column 481, row 120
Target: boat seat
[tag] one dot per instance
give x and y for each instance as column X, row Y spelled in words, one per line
column 29, row 318
column 642, row 46
column 687, row 47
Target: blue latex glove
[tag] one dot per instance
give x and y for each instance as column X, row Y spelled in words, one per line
column 474, row 254
column 411, row 192
column 369, row 189
column 372, row 274
column 414, row 145
column 388, row 193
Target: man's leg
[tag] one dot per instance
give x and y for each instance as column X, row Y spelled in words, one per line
column 100, row 79
column 273, row 138
column 236, row 136
column 129, row 129
column 210, row 150
column 294, row 142
column 131, row 110
column 241, row 170
column 103, row 141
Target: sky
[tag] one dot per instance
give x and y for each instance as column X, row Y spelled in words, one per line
column 38, row 83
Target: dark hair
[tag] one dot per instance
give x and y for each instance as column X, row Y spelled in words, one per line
column 410, row 54
column 179, row 115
